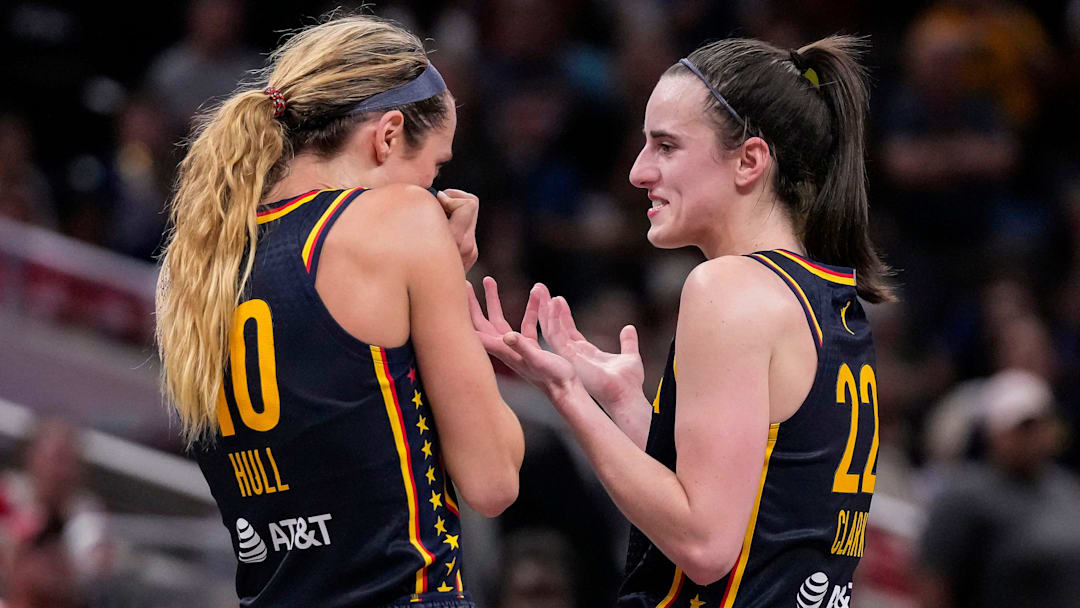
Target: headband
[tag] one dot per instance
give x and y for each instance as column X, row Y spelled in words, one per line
column 428, row 84
column 715, row 93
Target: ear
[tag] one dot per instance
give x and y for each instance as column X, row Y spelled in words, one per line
column 389, row 135
column 753, row 162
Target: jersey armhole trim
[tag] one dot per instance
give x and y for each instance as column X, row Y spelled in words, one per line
column 811, row 318
column 313, row 245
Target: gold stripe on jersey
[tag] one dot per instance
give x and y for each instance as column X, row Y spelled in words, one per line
column 656, row 399
column 676, row 587
column 317, row 230
column 744, row 555
column 825, row 273
column 397, row 426
column 799, row 290
column 287, row 208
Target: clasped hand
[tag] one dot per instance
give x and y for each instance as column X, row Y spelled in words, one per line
column 613, row 379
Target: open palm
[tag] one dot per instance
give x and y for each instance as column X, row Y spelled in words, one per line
column 520, row 351
column 611, row 378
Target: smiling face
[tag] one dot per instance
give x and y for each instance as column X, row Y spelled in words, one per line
column 687, row 175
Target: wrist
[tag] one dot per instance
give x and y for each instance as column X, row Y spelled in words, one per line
column 562, row 393
column 627, row 403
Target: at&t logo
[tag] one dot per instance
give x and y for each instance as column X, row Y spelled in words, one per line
column 814, row 589
column 288, row 534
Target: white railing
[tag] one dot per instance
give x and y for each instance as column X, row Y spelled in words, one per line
column 119, row 456
column 31, row 244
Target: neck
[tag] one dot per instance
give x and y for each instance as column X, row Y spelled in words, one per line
column 757, row 223
column 308, row 171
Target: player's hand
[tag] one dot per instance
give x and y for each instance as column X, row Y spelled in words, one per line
column 461, row 210
column 613, row 379
column 520, row 351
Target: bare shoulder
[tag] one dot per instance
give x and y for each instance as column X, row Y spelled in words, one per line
column 393, row 218
column 738, row 281
column 742, row 292
column 394, row 204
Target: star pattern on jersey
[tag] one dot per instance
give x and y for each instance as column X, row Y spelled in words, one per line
column 695, row 602
column 435, row 500
column 422, row 425
column 416, row 399
column 426, row 450
column 452, row 540
column 412, row 375
column 430, row 475
column 450, row 566
column 444, row 587
column 440, row 526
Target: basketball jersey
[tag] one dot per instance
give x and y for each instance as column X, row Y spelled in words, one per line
column 806, row 530
column 327, row 466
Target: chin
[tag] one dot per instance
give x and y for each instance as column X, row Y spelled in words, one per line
column 658, row 238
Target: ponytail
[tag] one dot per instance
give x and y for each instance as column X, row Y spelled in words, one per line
column 221, row 181
column 836, row 219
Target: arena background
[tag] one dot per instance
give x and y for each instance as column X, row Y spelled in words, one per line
column 975, row 191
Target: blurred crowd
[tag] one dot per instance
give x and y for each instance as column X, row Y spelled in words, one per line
column 975, row 193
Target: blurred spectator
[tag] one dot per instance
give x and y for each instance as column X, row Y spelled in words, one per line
column 209, row 62
column 1006, row 531
column 947, row 151
column 50, row 512
column 140, row 171
column 42, row 574
column 1013, row 53
column 25, row 195
column 538, row 571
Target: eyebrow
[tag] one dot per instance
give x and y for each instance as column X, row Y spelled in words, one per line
column 656, row 134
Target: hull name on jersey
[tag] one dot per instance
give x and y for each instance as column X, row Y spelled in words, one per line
column 850, row 533
column 251, row 474
column 300, row 533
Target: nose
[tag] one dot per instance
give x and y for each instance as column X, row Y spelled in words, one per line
column 644, row 172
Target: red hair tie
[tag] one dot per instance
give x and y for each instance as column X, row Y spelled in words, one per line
column 278, row 99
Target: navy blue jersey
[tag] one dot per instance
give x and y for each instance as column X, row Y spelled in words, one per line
column 327, row 467
column 807, row 527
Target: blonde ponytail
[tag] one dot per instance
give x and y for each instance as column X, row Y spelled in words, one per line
column 221, row 182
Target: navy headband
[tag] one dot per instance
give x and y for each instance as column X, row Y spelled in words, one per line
column 428, row 84
column 693, row 68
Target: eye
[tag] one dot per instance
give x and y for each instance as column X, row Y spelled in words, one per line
column 665, row 148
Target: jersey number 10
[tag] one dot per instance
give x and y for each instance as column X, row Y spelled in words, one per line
column 259, row 312
column 845, row 481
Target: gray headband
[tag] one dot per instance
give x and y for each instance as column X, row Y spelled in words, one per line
column 693, row 68
column 428, row 84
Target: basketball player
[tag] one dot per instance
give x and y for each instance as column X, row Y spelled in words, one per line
column 748, row 478
column 308, row 262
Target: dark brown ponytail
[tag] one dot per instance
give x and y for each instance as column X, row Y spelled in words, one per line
column 810, row 106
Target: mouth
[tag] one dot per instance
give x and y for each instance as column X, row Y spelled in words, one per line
column 657, row 204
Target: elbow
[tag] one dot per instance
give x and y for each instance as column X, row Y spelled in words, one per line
column 705, row 563
column 492, row 495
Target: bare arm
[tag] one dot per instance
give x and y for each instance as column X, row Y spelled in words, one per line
column 698, row 514
column 482, row 439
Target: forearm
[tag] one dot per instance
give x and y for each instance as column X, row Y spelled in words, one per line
column 633, row 419
column 649, row 494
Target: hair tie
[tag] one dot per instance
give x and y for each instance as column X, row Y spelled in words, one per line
column 807, row 72
column 278, row 99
